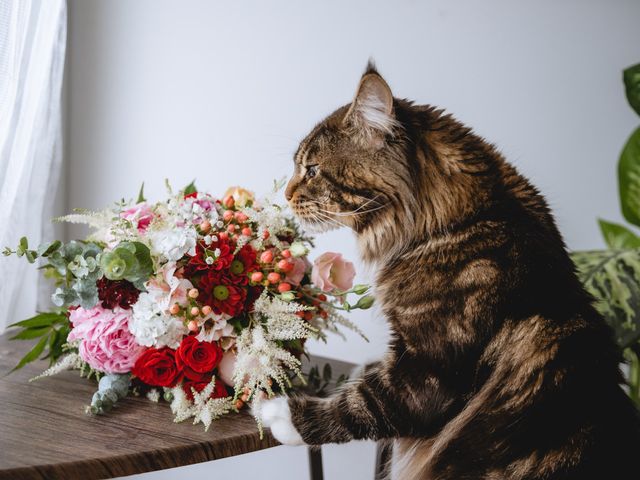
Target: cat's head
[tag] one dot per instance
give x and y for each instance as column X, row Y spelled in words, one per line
column 346, row 170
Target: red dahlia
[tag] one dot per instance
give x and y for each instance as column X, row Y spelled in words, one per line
column 219, row 292
column 198, row 263
column 117, row 293
column 242, row 265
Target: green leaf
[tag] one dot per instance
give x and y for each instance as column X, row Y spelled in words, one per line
column 46, row 249
column 31, row 255
column 629, row 179
column 33, row 354
column 41, row 320
column 30, row 333
column 631, row 77
column 617, row 236
column 191, row 188
column 24, row 244
column 613, row 278
column 141, row 194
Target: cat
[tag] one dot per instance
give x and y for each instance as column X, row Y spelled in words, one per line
column 498, row 367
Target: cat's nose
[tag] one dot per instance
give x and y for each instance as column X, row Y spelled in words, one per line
column 288, row 192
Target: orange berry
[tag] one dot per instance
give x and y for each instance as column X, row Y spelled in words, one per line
column 193, row 293
column 231, row 228
column 206, row 310
column 228, row 201
column 308, row 316
column 322, row 297
column 284, row 287
column 239, row 404
column 265, row 234
column 244, row 397
column 273, row 277
column 247, row 232
column 174, row 309
column 195, row 311
column 286, row 253
column 205, row 226
column 223, row 236
column 241, row 217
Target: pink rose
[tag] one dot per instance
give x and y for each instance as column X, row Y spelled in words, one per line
column 105, row 341
column 332, row 272
column 300, row 266
column 140, row 215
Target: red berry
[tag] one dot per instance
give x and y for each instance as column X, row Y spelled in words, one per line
column 265, row 234
column 286, row 253
column 247, row 232
column 285, row 265
column 266, row 256
column 227, row 215
column 256, row 277
column 284, row 287
column 273, row 277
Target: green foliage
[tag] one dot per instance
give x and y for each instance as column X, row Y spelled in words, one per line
column 191, row 188
column 631, row 77
column 128, row 261
column 52, row 328
column 141, row 194
column 613, row 278
column 319, row 383
column 629, row 179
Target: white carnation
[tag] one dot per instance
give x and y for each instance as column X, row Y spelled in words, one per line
column 173, row 243
column 151, row 325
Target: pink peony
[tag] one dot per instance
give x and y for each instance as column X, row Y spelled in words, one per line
column 332, row 272
column 105, row 341
column 140, row 215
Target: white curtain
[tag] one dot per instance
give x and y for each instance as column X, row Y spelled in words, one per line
column 32, row 52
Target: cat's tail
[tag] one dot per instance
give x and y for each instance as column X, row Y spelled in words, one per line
column 410, row 459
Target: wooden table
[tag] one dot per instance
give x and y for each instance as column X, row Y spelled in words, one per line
column 45, row 434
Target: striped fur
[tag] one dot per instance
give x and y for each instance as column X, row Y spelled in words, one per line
column 499, row 367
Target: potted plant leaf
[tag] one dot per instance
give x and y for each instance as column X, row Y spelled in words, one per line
column 613, row 276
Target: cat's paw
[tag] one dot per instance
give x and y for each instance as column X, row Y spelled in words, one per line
column 276, row 415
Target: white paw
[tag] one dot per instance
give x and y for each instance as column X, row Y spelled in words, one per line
column 276, row 415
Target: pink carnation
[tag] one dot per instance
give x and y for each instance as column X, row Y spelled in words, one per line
column 105, row 341
column 140, row 215
column 332, row 272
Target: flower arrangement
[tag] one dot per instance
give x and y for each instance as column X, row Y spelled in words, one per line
column 204, row 302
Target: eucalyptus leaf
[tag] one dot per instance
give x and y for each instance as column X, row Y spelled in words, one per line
column 617, row 236
column 629, row 179
column 46, row 249
column 631, row 77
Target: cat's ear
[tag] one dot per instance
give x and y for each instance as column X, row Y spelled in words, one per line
column 371, row 112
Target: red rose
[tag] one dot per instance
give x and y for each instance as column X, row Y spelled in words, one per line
column 219, row 390
column 196, row 359
column 157, row 368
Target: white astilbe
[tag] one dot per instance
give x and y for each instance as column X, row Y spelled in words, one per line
column 69, row 362
column 260, row 360
column 281, row 320
column 154, row 395
column 203, row 409
column 269, row 218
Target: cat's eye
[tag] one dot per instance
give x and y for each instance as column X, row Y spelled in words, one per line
column 312, row 171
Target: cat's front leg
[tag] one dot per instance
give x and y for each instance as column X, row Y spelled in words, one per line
column 359, row 410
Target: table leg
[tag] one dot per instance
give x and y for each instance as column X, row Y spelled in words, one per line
column 315, row 464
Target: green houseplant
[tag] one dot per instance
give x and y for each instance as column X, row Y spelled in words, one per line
column 613, row 276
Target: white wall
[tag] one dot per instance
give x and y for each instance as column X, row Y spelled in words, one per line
column 223, row 91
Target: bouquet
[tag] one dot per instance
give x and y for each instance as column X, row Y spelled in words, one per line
column 205, row 302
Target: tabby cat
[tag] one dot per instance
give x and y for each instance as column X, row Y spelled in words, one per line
column 499, row 367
